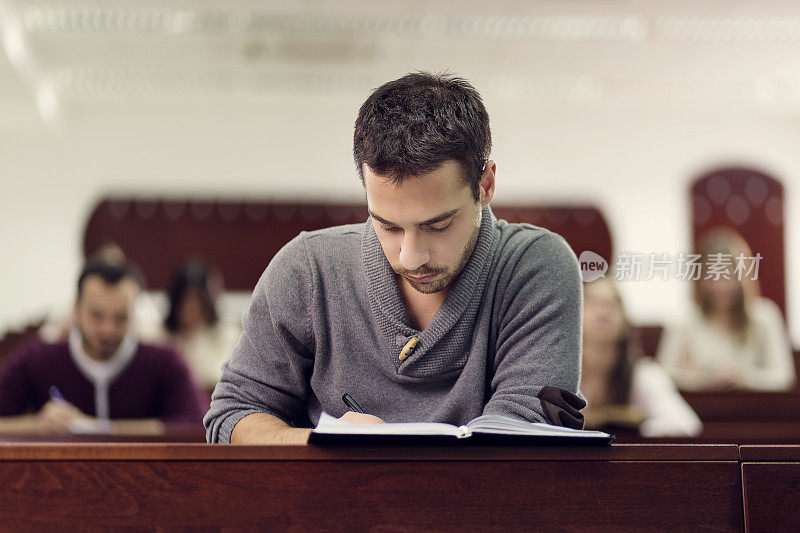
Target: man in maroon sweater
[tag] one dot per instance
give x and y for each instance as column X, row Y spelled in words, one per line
column 101, row 378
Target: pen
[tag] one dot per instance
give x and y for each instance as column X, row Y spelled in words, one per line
column 55, row 394
column 351, row 403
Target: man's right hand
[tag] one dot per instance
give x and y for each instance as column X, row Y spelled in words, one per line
column 360, row 418
column 261, row 428
column 54, row 417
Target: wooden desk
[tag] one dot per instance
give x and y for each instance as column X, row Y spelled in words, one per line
column 737, row 417
column 641, row 487
column 182, row 432
column 768, row 432
column 771, row 487
column 745, row 405
column 748, row 417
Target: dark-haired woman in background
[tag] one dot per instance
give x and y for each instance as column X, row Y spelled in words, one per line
column 193, row 322
column 622, row 387
column 733, row 338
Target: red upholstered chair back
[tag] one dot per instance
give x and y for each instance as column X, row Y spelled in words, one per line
column 240, row 237
column 751, row 203
column 584, row 227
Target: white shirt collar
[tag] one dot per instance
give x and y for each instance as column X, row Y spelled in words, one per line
column 101, row 373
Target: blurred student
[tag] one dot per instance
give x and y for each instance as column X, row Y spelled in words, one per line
column 193, row 322
column 101, row 377
column 622, row 387
column 146, row 318
column 732, row 338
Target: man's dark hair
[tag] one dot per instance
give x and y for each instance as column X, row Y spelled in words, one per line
column 410, row 126
column 111, row 273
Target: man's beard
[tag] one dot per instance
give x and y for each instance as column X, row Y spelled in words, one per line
column 447, row 276
column 100, row 349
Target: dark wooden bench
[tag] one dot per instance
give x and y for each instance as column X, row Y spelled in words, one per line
column 771, row 487
column 306, row 488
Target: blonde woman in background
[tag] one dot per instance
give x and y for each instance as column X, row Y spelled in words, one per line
column 623, row 387
column 733, row 338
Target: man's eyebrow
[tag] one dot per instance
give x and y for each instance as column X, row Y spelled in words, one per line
column 433, row 220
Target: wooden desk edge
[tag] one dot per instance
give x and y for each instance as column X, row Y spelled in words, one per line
column 778, row 453
column 218, row 452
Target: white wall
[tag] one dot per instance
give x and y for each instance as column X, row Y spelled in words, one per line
column 635, row 165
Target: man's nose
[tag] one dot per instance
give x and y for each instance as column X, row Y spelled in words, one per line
column 413, row 253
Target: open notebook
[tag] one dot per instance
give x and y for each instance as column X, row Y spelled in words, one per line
column 484, row 429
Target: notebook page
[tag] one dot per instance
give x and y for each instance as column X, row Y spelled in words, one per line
column 505, row 425
column 332, row 425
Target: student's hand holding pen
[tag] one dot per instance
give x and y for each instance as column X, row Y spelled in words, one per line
column 56, row 414
column 360, row 418
column 356, row 415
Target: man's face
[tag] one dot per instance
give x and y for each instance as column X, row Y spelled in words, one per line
column 428, row 225
column 102, row 314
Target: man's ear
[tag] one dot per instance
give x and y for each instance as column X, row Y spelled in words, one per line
column 486, row 186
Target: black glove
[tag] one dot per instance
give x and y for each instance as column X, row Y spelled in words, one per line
column 561, row 407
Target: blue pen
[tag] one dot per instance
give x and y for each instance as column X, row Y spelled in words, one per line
column 55, row 394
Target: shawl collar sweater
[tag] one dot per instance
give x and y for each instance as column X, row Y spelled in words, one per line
column 327, row 317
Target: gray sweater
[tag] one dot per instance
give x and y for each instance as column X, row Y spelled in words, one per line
column 327, row 317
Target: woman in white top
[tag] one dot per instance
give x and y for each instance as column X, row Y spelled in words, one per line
column 622, row 386
column 732, row 338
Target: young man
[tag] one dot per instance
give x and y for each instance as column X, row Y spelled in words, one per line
column 101, row 377
column 432, row 310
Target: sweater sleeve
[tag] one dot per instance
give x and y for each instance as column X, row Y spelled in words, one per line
column 270, row 368
column 16, row 395
column 539, row 333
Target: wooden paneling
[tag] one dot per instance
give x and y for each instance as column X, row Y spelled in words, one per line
column 790, row 453
column 745, row 405
column 240, row 237
column 303, row 490
column 175, row 432
column 219, row 452
column 771, row 496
